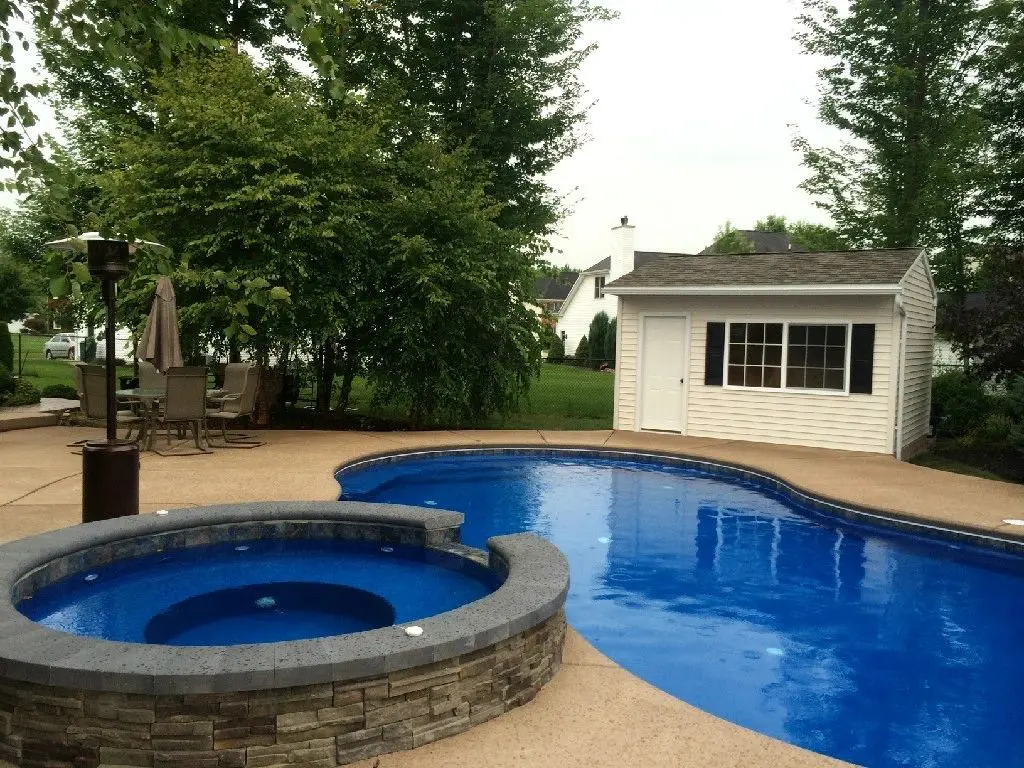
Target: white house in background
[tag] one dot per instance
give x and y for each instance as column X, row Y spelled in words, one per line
column 832, row 350
column 588, row 296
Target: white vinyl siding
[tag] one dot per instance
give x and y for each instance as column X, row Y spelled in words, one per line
column 853, row 422
column 919, row 355
column 579, row 309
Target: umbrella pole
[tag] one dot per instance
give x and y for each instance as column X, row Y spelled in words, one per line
column 109, row 289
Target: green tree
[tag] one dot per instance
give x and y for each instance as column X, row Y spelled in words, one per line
column 556, row 352
column 772, row 223
column 610, row 342
column 731, row 240
column 250, row 184
column 17, row 293
column 812, row 237
column 547, row 269
column 901, row 84
column 597, row 338
column 104, row 35
column 816, row 237
column 999, row 327
column 500, row 79
column 454, row 339
column 583, row 350
column 1004, row 107
column 6, row 349
column 296, row 224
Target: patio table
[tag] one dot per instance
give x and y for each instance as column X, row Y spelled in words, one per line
column 150, row 399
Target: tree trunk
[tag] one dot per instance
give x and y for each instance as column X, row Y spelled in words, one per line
column 326, row 364
column 348, row 374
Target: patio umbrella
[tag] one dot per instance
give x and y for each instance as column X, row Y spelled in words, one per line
column 159, row 343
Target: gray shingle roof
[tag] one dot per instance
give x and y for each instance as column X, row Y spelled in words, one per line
column 767, row 242
column 640, row 258
column 555, row 288
column 879, row 267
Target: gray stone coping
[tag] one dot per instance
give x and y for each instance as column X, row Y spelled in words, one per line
column 879, row 521
column 535, row 587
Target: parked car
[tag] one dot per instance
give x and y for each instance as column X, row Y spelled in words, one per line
column 60, row 345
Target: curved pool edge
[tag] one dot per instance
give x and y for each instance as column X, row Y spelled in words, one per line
column 534, row 591
column 808, row 500
column 579, row 718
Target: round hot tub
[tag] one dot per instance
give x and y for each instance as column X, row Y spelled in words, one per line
column 265, row 634
column 259, row 591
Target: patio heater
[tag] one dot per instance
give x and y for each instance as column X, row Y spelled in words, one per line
column 110, row 468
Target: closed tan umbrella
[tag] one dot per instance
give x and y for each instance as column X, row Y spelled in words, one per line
column 159, row 343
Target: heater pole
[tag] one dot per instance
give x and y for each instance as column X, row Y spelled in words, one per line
column 109, row 294
column 110, row 468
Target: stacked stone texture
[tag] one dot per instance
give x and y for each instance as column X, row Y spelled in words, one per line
column 316, row 725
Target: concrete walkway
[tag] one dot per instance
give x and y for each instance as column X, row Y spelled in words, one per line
column 25, row 417
column 594, row 713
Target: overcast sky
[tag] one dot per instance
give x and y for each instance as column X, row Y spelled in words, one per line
column 696, row 103
column 692, row 125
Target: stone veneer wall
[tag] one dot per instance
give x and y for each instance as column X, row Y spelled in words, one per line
column 316, row 725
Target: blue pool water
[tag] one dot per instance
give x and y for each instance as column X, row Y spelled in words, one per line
column 876, row 648
column 258, row 591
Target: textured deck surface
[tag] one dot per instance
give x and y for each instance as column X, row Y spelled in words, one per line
column 594, row 713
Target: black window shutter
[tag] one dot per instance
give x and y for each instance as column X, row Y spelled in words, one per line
column 714, row 355
column 862, row 358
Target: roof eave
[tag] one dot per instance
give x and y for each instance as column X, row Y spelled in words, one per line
column 755, row 290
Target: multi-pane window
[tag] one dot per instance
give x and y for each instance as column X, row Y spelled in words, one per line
column 816, row 357
column 755, row 355
column 787, row 356
column 599, row 287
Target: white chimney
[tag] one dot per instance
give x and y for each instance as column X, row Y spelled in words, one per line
column 623, row 238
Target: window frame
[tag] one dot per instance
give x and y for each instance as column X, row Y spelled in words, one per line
column 844, row 392
column 600, row 281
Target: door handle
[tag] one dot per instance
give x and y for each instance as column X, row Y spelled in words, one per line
column 682, row 381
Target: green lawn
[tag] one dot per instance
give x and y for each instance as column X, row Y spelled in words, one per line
column 562, row 397
column 42, row 372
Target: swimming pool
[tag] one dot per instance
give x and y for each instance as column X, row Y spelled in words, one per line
column 262, row 591
column 871, row 646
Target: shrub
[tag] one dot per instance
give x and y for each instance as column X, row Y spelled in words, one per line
column 959, row 403
column 25, row 393
column 6, row 381
column 583, row 349
column 35, row 324
column 89, row 349
column 609, row 342
column 1015, row 411
column 995, row 429
column 598, row 333
column 547, row 335
column 6, row 347
column 556, row 352
column 65, row 391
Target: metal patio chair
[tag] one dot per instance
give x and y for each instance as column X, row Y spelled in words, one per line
column 185, row 404
column 235, row 407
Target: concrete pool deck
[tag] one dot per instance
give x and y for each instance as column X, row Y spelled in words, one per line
column 594, row 713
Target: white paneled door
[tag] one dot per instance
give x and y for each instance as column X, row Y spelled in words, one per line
column 663, row 359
